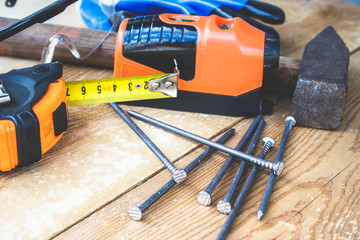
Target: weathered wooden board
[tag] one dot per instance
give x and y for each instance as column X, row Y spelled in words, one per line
column 98, row 158
column 334, row 212
column 100, row 166
column 316, row 197
column 305, row 19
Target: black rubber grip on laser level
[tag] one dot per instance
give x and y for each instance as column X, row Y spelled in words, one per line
column 151, row 42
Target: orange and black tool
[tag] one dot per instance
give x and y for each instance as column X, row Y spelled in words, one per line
column 221, row 61
column 33, row 116
column 33, row 108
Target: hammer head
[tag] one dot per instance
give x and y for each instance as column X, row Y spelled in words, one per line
column 320, row 93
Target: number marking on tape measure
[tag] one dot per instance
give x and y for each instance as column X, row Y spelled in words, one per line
column 113, row 90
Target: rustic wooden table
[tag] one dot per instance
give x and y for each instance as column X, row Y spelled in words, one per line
column 82, row 187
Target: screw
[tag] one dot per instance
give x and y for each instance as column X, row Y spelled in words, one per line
column 154, row 85
column 224, row 206
column 268, row 143
column 179, row 175
column 276, row 168
column 168, row 84
column 289, row 123
column 137, row 212
column 204, row 197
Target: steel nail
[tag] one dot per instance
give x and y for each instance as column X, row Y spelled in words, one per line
column 268, row 143
column 136, row 212
column 179, row 175
column 204, row 197
column 224, row 206
column 276, row 168
column 289, row 123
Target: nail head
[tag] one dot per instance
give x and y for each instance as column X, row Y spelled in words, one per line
column 179, row 175
column 290, row 119
column 135, row 213
column 223, row 207
column 204, row 198
column 269, row 140
column 279, row 169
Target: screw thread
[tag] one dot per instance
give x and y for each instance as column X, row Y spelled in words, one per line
column 266, row 148
column 170, row 167
column 288, row 126
column 289, row 123
column 265, row 164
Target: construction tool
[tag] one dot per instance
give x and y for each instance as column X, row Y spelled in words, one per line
column 124, row 89
column 224, row 206
column 320, row 94
column 36, row 116
column 179, row 175
column 33, row 112
column 267, row 144
column 280, row 80
column 275, row 168
column 204, row 197
column 289, row 123
column 218, row 84
column 221, row 61
column 319, row 81
column 136, row 212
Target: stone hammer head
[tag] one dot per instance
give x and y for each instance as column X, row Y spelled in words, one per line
column 320, row 93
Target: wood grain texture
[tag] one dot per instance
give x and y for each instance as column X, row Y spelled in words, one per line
column 83, row 186
column 305, row 19
column 315, row 198
column 96, row 160
column 336, row 207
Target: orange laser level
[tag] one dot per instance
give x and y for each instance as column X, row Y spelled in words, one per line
column 221, row 61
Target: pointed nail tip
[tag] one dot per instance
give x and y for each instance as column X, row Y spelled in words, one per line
column 259, row 214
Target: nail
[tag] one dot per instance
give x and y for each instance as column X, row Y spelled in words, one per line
column 179, row 175
column 224, row 206
column 204, row 197
column 268, row 143
column 136, row 212
column 290, row 122
column 276, row 168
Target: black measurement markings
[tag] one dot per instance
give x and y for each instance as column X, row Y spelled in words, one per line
column 83, row 90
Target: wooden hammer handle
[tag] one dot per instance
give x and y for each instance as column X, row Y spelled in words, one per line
column 284, row 78
column 30, row 42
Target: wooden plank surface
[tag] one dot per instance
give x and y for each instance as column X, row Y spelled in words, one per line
column 316, row 197
column 83, row 187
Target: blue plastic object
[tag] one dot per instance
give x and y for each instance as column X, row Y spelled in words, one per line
column 94, row 16
column 96, row 13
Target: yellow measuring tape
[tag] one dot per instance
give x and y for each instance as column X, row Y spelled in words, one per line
column 121, row 89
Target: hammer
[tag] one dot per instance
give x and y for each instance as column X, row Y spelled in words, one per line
column 320, row 80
